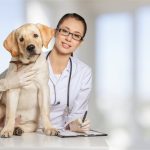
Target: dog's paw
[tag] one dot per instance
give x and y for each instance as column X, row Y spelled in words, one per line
column 6, row 133
column 18, row 131
column 50, row 131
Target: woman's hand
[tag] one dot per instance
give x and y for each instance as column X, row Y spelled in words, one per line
column 19, row 79
column 79, row 126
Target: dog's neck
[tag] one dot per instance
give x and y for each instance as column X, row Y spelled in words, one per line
column 20, row 61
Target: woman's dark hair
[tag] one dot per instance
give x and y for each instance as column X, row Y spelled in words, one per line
column 75, row 16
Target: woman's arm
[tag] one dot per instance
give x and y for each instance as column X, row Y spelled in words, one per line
column 3, row 74
column 16, row 79
column 81, row 103
column 3, row 81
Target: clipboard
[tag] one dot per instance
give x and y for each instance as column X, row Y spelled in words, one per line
column 68, row 133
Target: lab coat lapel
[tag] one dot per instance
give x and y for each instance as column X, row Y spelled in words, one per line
column 51, row 74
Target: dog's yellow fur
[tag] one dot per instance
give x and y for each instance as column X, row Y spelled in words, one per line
column 32, row 101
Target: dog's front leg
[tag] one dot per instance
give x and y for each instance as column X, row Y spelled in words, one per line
column 11, row 107
column 43, row 97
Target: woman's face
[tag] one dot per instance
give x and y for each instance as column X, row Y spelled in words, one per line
column 67, row 44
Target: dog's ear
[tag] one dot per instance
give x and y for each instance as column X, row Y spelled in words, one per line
column 46, row 33
column 11, row 45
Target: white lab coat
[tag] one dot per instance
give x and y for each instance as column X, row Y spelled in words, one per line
column 80, row 87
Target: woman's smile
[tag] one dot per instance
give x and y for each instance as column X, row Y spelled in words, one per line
column 65, row 45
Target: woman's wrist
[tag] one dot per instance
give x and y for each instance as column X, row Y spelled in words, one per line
column 67, row 127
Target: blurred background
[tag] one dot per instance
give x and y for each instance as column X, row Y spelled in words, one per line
column 117, row 47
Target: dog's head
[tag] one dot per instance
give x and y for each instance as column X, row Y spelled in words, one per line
column 27, row 41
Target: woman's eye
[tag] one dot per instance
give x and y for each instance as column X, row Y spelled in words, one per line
column 21, row 39
column 64, row 31
column 35, row 35
column 77, row 36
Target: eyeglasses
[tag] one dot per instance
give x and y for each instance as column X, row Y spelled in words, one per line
column 75, row 36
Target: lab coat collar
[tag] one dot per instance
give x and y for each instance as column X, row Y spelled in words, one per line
column 74, row 65
column 64, row 74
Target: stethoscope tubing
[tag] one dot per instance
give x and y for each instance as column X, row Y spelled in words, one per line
column 68, row 87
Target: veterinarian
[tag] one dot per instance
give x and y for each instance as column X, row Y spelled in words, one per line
column 70, row 79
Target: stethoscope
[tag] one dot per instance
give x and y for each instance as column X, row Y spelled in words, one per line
column 68, row 88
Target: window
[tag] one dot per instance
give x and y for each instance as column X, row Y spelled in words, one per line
column 9, row 21
column 123, row 75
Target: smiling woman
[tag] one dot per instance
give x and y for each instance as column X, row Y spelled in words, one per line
column 70, row 31
column 70, row 79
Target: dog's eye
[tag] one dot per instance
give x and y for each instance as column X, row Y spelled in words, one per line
column 21, row 39
column 35, row 35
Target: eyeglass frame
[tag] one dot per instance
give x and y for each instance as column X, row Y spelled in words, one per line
column 72, row 34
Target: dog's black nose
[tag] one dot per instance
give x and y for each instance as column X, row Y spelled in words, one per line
column 30, row 47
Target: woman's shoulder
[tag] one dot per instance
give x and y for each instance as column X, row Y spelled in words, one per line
column 80, row 65
column 45, row 53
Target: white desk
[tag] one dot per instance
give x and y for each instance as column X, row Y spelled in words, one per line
column 39, row 141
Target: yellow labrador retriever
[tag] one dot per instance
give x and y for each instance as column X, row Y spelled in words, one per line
column 29, row 102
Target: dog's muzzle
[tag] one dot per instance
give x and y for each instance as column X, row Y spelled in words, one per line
column 31, row 49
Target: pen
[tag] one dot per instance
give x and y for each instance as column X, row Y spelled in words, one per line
column 85, row 114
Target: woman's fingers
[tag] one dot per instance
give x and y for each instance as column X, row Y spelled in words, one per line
column 79, row 126
column 87, row 127
column 85, row 123
column 26, row 79
column 28, row 74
